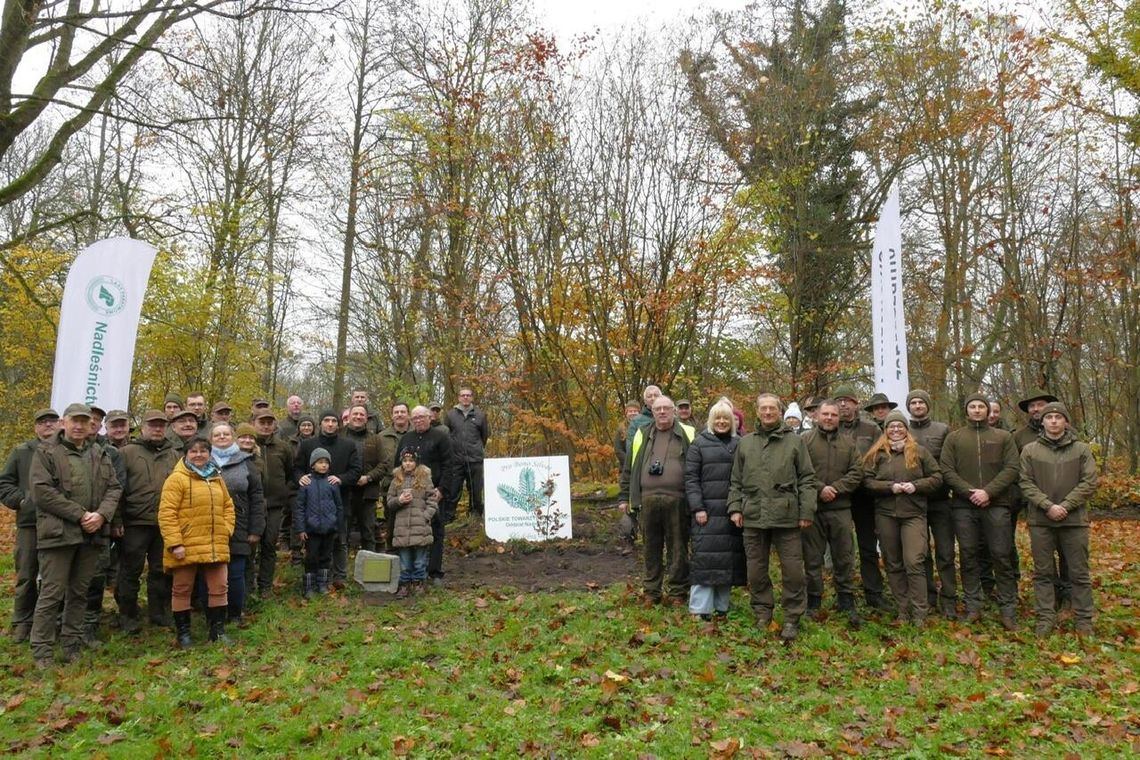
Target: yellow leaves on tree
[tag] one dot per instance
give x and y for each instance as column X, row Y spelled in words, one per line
column 31, row 282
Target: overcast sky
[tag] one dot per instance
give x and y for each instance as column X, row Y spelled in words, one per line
column 570, row 17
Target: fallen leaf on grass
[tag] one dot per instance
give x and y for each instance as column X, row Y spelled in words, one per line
column 482, row 603
column 797, row 748
column 109, row 739
column 708, row 675
column 724, row 749
column 617, row 677
column 403, row 745
column 589, row 740
column 15, row 702
column 1069, row 659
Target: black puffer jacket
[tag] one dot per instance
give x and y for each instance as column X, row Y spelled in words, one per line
column 718, row 545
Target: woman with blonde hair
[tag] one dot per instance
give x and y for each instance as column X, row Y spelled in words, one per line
column 900, row 474
column 717, row 562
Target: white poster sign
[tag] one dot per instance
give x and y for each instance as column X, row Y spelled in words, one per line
column 888, row 322
column 99, row 322
column 527, row 498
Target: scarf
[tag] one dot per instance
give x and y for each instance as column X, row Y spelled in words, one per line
column 897, row 446
column 207, row 472
column 223, row 456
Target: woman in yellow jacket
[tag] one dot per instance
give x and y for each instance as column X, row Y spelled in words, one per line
column 196, row 517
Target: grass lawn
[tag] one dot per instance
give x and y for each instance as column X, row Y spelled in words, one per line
column 589, row 673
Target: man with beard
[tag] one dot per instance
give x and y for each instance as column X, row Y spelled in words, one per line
column 432, row 445
column 344, row 470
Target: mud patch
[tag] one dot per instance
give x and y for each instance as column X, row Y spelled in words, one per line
column 593, row 559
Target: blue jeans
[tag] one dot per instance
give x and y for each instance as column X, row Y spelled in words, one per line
column 413, row 563
column 704, row 600
column 237, row 585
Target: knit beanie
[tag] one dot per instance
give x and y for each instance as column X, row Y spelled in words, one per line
column 918, row 394
column 317, row 455
column 1056, row 407
column 174, row 398
column 793, row 411
column 330, row 413
column 245, row 429
column 977, row 397
column 896, row 416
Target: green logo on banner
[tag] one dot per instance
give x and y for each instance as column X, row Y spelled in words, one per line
column 106, row 295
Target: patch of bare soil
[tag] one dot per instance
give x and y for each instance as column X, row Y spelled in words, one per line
column 594, row 558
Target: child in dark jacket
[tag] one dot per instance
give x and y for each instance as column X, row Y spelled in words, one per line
column 412, row 504
column 317, row 514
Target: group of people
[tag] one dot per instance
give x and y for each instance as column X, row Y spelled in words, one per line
column 200, row 502
column 851, row 478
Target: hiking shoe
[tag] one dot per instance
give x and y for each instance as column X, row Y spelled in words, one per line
column 789, row 632
column 1009, row 622
column 21, row 633
column 1084, row 629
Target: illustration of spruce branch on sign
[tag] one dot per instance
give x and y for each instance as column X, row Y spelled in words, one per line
column 548, row 518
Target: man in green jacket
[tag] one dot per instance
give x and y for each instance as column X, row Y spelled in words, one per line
column 76, row 491
column 838, row 472
column 148, row 460
column 1033, row 405
column 380, row 460
column 1058, row 477
column 280, row 491
column 980, row 464
column 16, row 494
column 653, row 483
column 772, row 496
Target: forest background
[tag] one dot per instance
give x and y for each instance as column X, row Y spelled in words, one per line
column 410, row 196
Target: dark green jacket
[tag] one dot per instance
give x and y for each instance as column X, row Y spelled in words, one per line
column 380, row 459
column 1058, row 472
column 979, row 456
column 773, row 480
column 57, row 515
column 890, row 469
column 15, row 485
column 863, row 432
column 277, row 459
column 147, row 469
column 931, row 435
column 836, row 464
